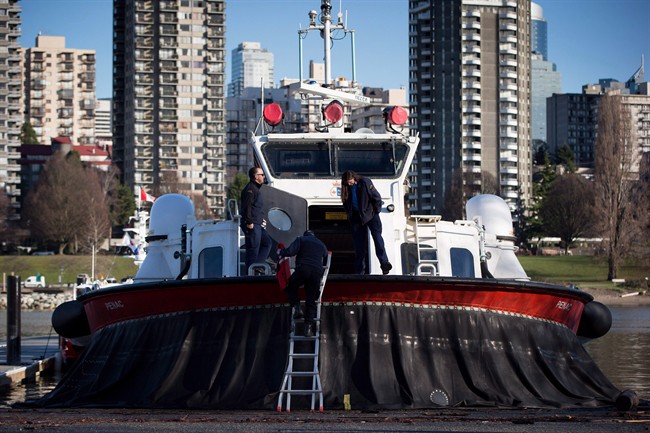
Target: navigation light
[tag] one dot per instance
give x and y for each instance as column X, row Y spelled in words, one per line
column 333, row 112
column 396, row 115
column 273, row 114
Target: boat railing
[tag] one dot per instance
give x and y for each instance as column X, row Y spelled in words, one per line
column 232, row 209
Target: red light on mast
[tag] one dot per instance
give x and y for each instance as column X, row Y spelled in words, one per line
column 397, row 116
column 273, row 114
column 333, row 112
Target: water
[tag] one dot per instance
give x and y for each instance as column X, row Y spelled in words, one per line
column 33, row 323
column 621, row 353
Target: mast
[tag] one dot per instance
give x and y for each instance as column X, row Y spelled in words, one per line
column 326, row 19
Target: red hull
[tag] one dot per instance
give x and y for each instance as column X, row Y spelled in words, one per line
column 540, row 301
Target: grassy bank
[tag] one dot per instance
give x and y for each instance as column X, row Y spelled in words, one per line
column 583, row 271
column 66, row 266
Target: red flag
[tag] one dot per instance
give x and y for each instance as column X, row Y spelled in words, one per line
column 283, row 270
column 145, row 196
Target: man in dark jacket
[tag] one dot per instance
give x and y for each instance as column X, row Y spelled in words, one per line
column 362, row 204
column 258, row 242
column 310, row 254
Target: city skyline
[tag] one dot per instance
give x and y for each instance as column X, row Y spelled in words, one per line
column 587, row 39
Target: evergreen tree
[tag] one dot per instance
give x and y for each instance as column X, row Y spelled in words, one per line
column 27, row 134
column 565, row 156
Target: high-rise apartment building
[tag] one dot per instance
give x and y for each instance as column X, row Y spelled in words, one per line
column 103, row 124
column 470, row 97
column 59, row 97
column 11, row 116
column 545, row 79
column 252, row 66
column 168, row 96
column 573, row 119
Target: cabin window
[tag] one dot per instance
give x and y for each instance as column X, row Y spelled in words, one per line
column 462, row 262
column 410, row 256
column 384, row 159
column 305, row 160
column 211, row 263
column 327, row 159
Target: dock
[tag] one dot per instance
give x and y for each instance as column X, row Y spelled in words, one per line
column 37, row 354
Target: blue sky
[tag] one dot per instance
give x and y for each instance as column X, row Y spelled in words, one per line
column 588, row 39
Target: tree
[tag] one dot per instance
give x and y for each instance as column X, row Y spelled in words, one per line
column 122, row 205
column 96, row 225
column 464, row 185
column 620, row 198
column 567, row 210
column 202, row 209
column 5, row 209
column 565, row 156
column 67, row 205
column 542, row 182
column 27, row 134
column 233, row 191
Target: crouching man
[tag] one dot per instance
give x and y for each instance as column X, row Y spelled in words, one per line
column 310, row 253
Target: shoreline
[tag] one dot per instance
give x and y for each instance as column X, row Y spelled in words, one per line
column 613, row 297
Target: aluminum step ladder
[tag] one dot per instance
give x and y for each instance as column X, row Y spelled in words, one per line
column 308, row 349
column 427, row 244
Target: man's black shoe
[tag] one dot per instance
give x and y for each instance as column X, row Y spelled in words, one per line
column 297, row 312
column 309, row 329
column 386, row 267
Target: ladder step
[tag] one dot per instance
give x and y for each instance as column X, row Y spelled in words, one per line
column 301, row 338
column 303, row 391
column 303, row 355
column 302, row 373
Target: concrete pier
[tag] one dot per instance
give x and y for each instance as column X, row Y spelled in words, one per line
column 37, row 354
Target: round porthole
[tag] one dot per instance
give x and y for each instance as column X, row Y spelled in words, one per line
column 279, row 219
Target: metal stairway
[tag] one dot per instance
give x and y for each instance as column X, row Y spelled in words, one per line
column 307, row 350
column 427, row 244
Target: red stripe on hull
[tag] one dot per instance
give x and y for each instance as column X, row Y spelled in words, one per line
column 559, row 305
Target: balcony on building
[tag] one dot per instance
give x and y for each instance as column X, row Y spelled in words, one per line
column 143, row 79
column 472, row 13
column 168, row 5
column 88, row 104
column 471, row 132
column 87, row 76
column 168, row 29
column 65, row 94
column 144, row 5
column 168, row 78
column 143, row 17
column 215, row 31
column 65, row 113
column 65, row 57
column 141, row 41
column 168, row 66
column 168, row 140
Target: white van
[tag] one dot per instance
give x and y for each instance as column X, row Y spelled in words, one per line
column 35, row 281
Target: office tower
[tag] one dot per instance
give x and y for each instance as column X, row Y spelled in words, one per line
column 470, row 98
column 11, row 116
column 538, row 31
column 252, row 66
column 60, row 90
column 168, row 96
column 545, row 79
